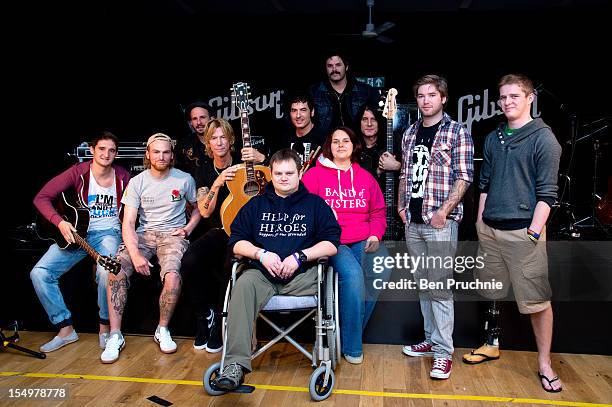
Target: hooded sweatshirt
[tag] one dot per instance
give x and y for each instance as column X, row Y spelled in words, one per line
column 284, row 225
column 77, row 178
column 355, row 197
column 517, row 172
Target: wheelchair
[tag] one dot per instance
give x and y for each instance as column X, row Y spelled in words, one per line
column 322, row 307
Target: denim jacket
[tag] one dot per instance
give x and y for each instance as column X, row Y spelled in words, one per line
column 329, row 105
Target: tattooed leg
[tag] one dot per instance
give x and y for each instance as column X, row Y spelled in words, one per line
column 116, row 297
column 169, row 297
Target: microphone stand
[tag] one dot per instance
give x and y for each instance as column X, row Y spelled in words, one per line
column 567, row 206
column 592, row 218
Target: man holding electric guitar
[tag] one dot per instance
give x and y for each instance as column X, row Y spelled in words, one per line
column 98, row 186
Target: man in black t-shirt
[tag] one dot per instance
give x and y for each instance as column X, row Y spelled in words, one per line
column 204, row 264
column 436, row 171
column 190, row 153
column 304, row 137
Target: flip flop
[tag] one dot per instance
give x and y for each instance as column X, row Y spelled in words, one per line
column 550, row 382
column 485, row 358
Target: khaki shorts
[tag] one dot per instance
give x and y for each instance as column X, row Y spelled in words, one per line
column 510, row 257
column 168, row 249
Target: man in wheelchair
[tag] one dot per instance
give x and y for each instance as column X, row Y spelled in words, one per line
column 282, row 232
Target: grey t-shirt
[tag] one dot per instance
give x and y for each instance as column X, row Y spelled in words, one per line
column 160, row 202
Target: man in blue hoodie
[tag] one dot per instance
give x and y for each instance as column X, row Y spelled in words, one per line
column 282, row 233
column 518, row 184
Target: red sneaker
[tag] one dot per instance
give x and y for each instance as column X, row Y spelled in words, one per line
column 441, row 368
column 420, row 349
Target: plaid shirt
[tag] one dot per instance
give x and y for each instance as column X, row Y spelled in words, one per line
column 451, row 158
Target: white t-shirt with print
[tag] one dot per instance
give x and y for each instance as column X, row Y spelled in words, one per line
column 102, row 203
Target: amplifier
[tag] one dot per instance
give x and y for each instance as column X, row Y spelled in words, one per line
column 130, row 155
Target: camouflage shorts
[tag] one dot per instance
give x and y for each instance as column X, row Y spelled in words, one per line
column 168, row 249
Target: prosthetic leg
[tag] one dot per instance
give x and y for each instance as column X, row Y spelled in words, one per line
column 490, row 350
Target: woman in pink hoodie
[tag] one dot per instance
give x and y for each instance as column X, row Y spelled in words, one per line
column 356, row 199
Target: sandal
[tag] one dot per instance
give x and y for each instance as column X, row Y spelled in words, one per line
column 479, row 353
column 550, row 382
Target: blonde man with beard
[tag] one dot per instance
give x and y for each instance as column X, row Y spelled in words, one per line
column 159, row 195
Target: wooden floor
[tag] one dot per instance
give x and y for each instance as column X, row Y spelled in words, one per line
column 386, row 378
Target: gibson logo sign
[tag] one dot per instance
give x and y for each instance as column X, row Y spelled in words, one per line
column 227, row 110
column 474, row 108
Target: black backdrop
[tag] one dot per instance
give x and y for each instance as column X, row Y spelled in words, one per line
column 73, row 76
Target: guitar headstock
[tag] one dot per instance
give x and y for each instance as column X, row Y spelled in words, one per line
column 390, row 104
column 240, row 95
column 110, row 264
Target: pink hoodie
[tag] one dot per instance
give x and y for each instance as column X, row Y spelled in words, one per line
column 355, row 197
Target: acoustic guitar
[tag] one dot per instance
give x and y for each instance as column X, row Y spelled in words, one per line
column 77, row 214
column 250, row 179
column 393, row 228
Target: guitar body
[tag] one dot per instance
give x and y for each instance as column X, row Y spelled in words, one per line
column 241, row 190
column 73, row 211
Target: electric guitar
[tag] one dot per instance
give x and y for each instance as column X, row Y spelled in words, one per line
column 250, row 179
column 393, row 229
column 308, row 161
column 73, row 211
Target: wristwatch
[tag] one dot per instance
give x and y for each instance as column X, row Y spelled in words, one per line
column 303, row 257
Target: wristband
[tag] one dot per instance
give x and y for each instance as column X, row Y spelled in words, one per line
column 297, row 259
column 261, row 256
column 533, row 235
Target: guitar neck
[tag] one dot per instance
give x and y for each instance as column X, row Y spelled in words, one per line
column 83, row 243
column 246, row 142
column 390, row 184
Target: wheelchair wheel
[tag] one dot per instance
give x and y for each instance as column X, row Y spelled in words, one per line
column 333, row 334
column 211, row 374
column 318, row 392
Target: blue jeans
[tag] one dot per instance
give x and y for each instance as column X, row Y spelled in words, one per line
column 356, row 296
column 437, row 306
column 56, row 262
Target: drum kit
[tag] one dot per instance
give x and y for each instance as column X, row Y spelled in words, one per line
column 598, row 222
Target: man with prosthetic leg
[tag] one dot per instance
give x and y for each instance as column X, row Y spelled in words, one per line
column 518, row 184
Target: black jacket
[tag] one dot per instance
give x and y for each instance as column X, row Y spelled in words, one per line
column 332, row 109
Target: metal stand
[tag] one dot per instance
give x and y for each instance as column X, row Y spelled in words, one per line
column 9, row 342
column 591, row 221
column 567, row 206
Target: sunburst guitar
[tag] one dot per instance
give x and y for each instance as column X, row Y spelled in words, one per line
column 250, row 179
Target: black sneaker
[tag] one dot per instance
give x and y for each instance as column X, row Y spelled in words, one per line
column 231, row 378
column 202, row 331
column 215, row 340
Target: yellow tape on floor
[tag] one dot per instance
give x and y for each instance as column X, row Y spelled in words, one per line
column 305, row 390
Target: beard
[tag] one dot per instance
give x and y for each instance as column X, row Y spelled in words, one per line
column 159, row 166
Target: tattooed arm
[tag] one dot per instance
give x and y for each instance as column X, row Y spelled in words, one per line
column 207, row 198
column 454, row 197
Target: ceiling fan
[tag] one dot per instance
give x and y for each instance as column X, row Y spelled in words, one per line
column 374, row 32
column 371, row 31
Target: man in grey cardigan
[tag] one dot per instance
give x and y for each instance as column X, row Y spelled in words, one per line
column 518, row 184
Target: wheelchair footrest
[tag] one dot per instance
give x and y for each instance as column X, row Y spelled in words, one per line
column 243, row 388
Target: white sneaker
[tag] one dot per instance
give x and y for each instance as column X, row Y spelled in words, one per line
column 355, row 360
column 162, row 336
column 102, row 338
column 114, row 345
